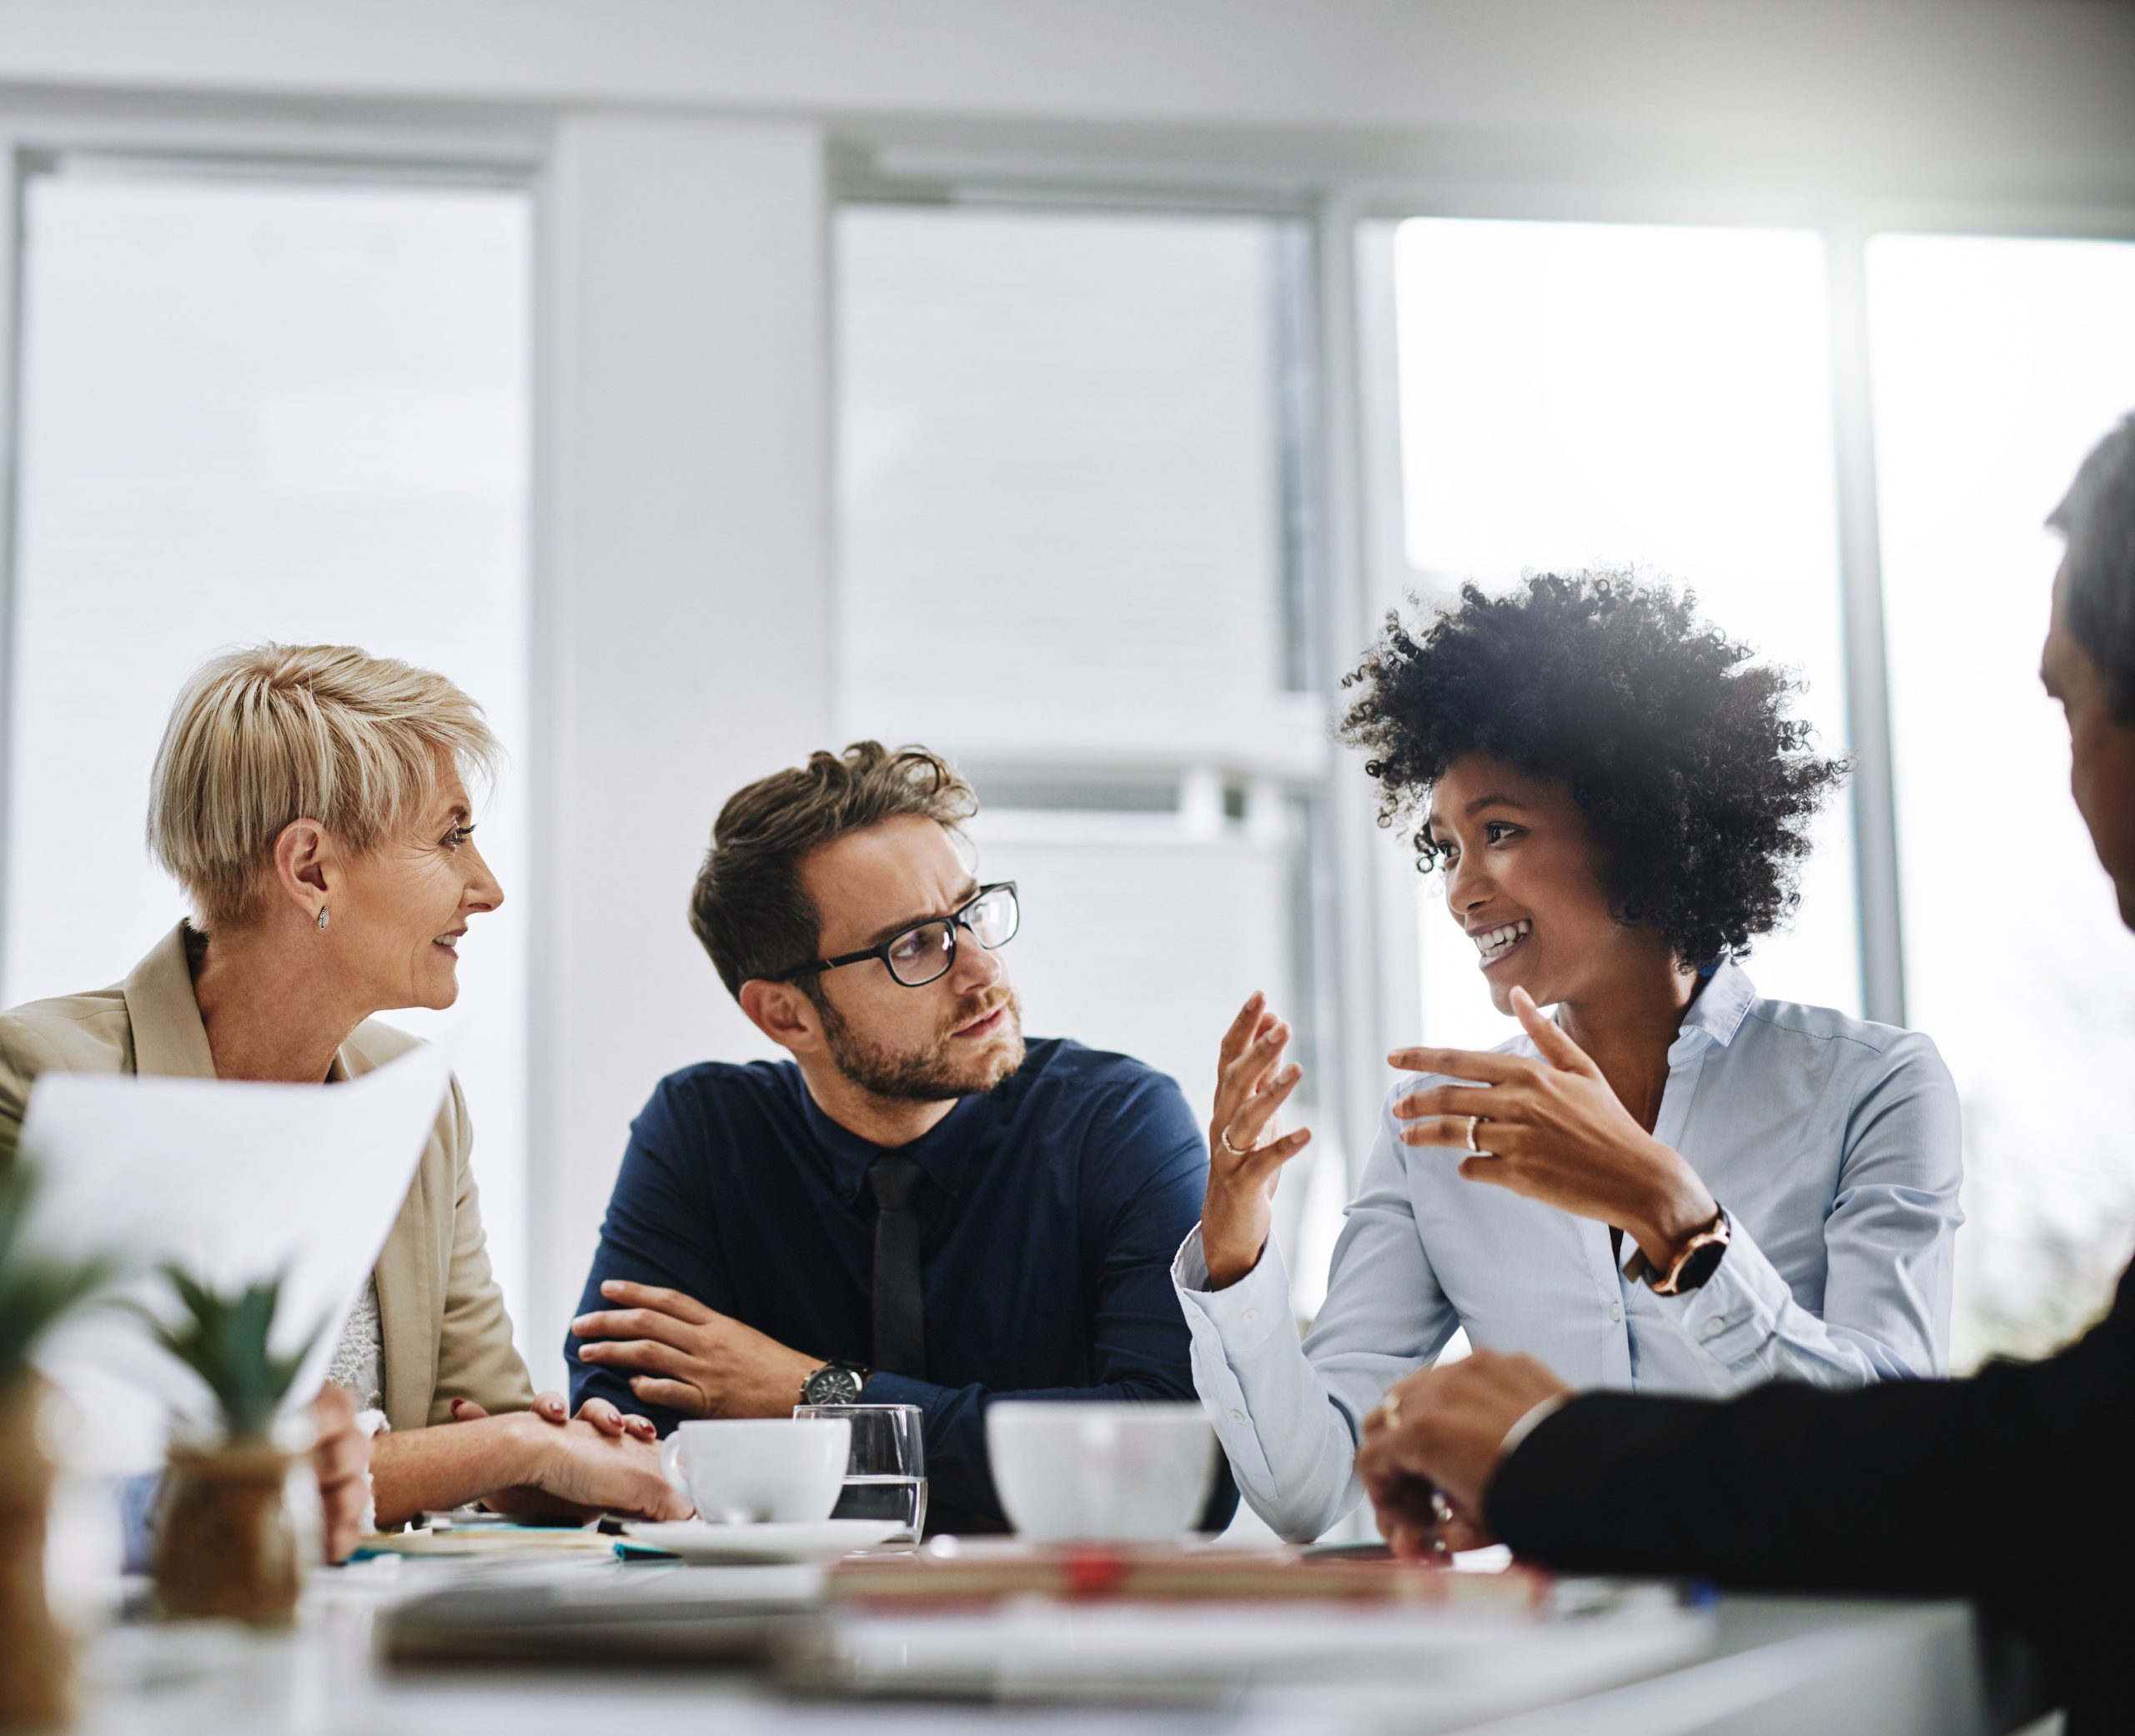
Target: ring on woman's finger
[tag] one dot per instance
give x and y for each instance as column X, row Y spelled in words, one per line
column 1223, row 1138
column 1473, row 1149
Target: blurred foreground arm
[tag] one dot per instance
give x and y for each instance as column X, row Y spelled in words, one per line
column 2009, row 1487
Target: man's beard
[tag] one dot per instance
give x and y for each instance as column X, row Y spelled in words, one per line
column 935, row 1073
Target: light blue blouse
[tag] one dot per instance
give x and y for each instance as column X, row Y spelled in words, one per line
column 1832, row 1143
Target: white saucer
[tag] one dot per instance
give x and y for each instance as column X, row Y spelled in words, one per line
column 700, row 1540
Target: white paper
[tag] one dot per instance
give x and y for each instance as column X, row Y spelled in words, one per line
column 233, row 1182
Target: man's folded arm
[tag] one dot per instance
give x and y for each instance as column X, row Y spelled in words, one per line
column 658, row 1231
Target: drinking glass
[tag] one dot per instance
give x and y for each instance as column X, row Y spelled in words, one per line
column 886, row 1478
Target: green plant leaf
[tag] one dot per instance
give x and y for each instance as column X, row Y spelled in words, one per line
column 37, row 1290
column 223, row 1338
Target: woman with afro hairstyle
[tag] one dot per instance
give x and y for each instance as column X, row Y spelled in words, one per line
column 1675, row 1185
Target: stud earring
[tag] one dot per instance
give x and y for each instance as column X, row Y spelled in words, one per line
column 322, row 919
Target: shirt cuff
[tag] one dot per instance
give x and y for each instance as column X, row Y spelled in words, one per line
column 1247, row 1314
column 1731, row 1318
column 883, row 1388
column 1529, row 1423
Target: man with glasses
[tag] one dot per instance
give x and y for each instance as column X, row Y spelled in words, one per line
column 917, row 1207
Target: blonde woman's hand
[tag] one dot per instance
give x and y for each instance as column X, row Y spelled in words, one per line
column 550, row 1407
column 1247, row 1145
column 580, row 1471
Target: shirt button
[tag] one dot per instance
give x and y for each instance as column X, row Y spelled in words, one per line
column 1615, row 1311
column 1238, row 1416
column 1251, row 1316
column 1715, row 1327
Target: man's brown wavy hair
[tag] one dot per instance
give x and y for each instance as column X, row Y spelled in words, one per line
column 749, row 906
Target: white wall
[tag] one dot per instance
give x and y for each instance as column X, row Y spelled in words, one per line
column 687, row 602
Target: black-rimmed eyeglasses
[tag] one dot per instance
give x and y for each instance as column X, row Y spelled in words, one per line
column 916, row 955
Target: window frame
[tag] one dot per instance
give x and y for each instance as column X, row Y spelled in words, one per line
column 137, row 139
column 1367, row 922
column 1363, row 892
column 1344, row 962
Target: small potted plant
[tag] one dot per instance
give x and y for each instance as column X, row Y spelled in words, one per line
column 225, row 1545
column 36, row 1292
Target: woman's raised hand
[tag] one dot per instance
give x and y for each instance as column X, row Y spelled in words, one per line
column 1550, row 1128
column 1247, row 1147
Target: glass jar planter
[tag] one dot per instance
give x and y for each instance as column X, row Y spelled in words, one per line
column 36, row 1687
column 226, row 1542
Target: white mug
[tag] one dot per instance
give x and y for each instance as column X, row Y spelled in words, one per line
column 1101, row 1473
column 753, row 1470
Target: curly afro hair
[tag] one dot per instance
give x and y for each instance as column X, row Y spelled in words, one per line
column 1697, row 787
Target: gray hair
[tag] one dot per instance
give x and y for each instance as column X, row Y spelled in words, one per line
column 2097, row 517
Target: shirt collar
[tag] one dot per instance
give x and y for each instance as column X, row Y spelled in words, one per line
column 941, row 1152
column 168, row 1037
column 1718, row 1012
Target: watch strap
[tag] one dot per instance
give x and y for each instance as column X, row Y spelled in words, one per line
column 1694, row 1262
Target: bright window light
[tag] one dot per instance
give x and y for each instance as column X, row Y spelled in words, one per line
column 264, row 410
column 1997, row 363
column 1610, row 395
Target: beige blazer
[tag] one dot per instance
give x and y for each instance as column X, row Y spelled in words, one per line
column 441, row 1317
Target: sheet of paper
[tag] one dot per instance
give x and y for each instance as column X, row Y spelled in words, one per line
column 233, row 1182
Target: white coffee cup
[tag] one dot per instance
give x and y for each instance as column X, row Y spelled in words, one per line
column 1101, row 1473
column 753, row 1470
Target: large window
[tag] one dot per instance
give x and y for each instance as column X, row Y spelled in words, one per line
column 1613, row 396
column 1997, row 363
column 1073, row 496
column 253, row 409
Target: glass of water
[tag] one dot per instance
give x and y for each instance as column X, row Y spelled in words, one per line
column 886, row 1478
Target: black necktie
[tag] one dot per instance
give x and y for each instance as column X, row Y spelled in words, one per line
column 900, row 1323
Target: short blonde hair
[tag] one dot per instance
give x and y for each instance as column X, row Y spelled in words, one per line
column 273, row 733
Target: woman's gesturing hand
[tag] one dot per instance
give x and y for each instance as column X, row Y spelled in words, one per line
column 1251, row 1087
column 1550, row 1128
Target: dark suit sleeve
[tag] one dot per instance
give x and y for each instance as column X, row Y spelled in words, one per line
column 2011, row 1487
column 1145, row 1172
column 656, row 1232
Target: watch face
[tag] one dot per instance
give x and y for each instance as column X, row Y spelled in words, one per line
column 1702, row 1263
column 834, row 1385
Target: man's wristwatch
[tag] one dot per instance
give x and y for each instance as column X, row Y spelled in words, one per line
column 834, row 1383
column 1695, row 1260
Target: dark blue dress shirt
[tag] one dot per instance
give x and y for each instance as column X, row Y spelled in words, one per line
column 1049, row 1209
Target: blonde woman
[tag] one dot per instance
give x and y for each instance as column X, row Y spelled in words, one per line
column 312, row 801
